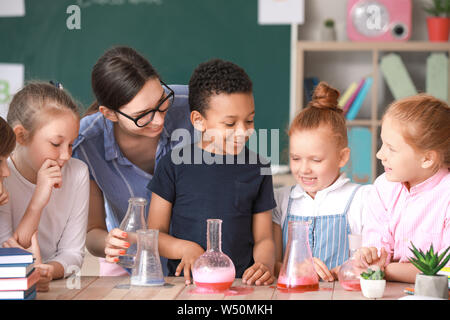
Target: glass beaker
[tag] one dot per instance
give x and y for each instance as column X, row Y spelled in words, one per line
column 213, row 271
column 147, row 270
column 133, row 221
column 350, row 271
column 297, row 272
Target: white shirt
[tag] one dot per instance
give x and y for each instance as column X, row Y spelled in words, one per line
column 329, row 201
column 62, row 227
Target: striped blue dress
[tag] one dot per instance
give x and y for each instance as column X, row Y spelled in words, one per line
column 328, row 234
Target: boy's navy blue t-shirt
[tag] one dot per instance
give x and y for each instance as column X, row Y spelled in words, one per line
column 206, row 186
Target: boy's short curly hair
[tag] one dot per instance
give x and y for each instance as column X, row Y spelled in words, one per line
column 213, row 77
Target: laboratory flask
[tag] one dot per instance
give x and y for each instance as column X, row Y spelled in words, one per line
column 213, row 271
column 297, row 272
column 350, row 271
column 147, row 270
column 134, row 220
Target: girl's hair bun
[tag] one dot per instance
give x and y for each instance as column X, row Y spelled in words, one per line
column 323, row 111
column 325, row 97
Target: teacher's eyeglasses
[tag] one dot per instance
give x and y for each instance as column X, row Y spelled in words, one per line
column 148, row 116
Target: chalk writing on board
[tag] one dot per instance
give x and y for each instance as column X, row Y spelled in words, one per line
column 88, row 3
column 4, row 91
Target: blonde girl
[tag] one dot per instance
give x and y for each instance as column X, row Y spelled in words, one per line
column 48, row 189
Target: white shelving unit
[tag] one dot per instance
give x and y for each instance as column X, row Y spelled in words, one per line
column 375, row 49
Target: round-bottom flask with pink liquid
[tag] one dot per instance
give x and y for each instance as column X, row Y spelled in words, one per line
column 214, row 280
column 213, row 271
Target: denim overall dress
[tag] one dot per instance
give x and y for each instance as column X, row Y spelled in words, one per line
column 328, row 234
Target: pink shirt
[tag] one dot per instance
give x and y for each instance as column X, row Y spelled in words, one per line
column 396, row 216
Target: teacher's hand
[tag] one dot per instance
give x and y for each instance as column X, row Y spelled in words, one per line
column 116, row 245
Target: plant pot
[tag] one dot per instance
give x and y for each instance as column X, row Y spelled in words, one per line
column 372, row 288
column 438, row 28
column 431, row 286
column 327, row 34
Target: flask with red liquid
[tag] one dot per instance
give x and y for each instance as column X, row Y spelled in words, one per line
column 213, row 271
column 297, row 273
column 350, row 271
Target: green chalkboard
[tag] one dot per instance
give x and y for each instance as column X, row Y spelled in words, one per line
column 175, row 35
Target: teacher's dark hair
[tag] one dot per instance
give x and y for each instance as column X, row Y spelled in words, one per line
column 117, row 77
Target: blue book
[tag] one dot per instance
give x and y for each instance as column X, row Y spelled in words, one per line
column 359, row 169
column 29, row 294
column 357, row 104
column 14, row 256
column 15, row 270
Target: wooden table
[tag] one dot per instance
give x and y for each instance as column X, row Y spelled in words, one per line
column 118, row 288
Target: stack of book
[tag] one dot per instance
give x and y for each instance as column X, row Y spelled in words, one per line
column 18, row 277
column 352, row 99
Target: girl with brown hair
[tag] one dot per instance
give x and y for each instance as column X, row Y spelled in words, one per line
column 323, row 196
column 410, row 201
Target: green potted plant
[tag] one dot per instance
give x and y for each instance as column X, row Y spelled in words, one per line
column 438, row 22
column 428, row 282
column 372, row 282
column 328, row 32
